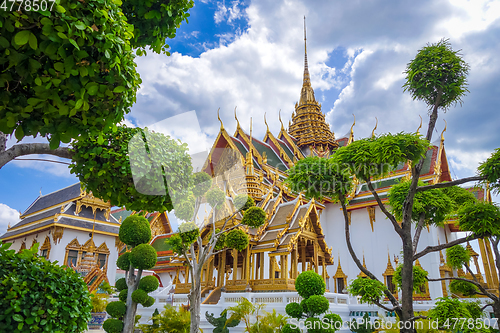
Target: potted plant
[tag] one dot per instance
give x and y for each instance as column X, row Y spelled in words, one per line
column 99, row 301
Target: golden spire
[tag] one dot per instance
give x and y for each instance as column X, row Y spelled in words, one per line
column 376, row 124
column 235, row 117
column 351, row 136
column 307, row 94
column 265, row 122
column 419, row 127
column 282, row 127
column 444, row 130
column 221, row 125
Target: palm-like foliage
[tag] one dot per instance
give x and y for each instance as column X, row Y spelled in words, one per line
column 171, row 320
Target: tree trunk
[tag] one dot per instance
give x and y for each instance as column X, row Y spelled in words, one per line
column 132, row 284
column 407, row 281
column 195, row 303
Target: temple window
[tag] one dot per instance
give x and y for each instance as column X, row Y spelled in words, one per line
column 102, row 260
column 72, row 258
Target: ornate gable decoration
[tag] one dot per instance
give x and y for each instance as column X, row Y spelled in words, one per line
column 88, row 200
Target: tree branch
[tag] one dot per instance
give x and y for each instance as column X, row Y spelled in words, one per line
column 477, row 284
column 451, row 183
column 418, row 231
column 430, row 249
column 384, row 307
column 28, row 149
column 391, row 217
column 389, row 295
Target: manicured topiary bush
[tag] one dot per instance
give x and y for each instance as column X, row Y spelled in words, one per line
column 143, row 256
column 463, row 287
column 215, row 197
column 121, row 284
column 139, row 296
column 149, row 283
column 116, row 309
column 188, row 232
column 113, row 325
column 221, row 242
column 317, row 304
column 123, row 261
column 237, row 239
column 294, row 310
column 122, row 296
column 333, row 320
column 254, row 217
column 135, row 230
column 30, row 286
column 202, row 183
column 311, row 287
column 133, row 289
column 310, row 283
column 149, row 302
column 184, row 209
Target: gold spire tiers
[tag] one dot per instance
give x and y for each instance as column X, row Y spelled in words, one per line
column 308, row 125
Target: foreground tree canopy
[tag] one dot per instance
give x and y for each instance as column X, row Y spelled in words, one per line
column 69, row 70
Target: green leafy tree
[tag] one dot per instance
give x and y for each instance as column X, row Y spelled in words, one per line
column 437, row 76
column 188, row 244
column 38, row 295
column 69, row 69
column 136, row 233
column 364, row 327
column 311, row 287
column 247, row 312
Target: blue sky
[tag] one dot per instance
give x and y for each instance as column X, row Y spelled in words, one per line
column 250, row 54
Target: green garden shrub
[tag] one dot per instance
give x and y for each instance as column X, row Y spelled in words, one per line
column 116, row 309
column 317, row 304
column 121, row 284
column 237, row 239
column 294, row 310
column 310, row 283
column 135, row 230
column 254, row 217
column 36, row 294
column 143, row 256
column 150, row 301
column 123, row 261
column 112, row 325
column 122, row 296
column 139, row 296
column 243, row 202
column 149, row 283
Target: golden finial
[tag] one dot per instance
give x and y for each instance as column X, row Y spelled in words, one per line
column 235, row 117
column 376, row 124
column 282, row 127
column 419, row 127
column 221, row 125
column 351, row 136
column 444, row 130
column 8, row 226
column 250, row 130
column 265, row 122
column 305, row 39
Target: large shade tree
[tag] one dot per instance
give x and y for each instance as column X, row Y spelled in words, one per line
column 67, row 70
column 437, row 76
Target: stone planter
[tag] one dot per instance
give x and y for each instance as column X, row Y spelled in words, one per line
column 96, row 321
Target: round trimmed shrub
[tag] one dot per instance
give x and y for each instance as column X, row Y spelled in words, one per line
column 123, row 261
column 254, row 217
column 116, row 309
column 122, row 296
column 215, row 197
column 139, row 296
column 221, row 241
column 243, row 202
column 112, row 325
column 149, row 302
column 303, row 304
column 201, row 183
column 135, row 230
column 288, row 328
column 121, row 284
column 237, row 239
column 143, row 256
column 189, row 232
column 317, row 304
column 334, row 321
column 294, row 310
column 149, row 283
column 310, row 283
column 313, row 325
